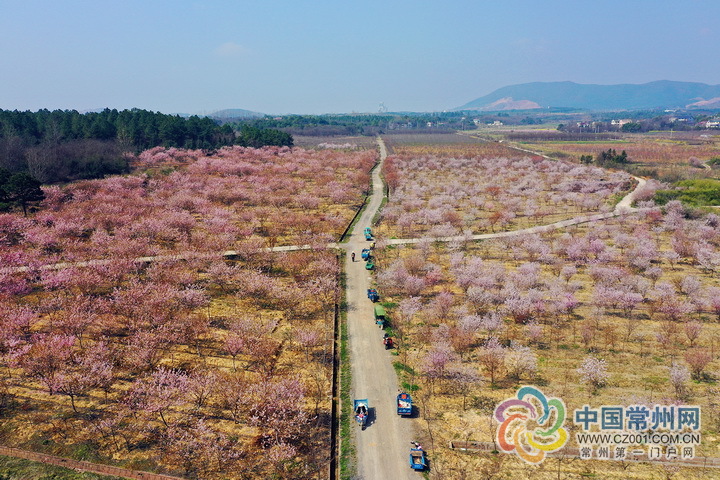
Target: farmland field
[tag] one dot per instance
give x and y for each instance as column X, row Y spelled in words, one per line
column 665, row 154
column 197, row 366
column 618, row 312
column 335, row 142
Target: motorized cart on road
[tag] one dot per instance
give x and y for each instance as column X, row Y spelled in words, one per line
column 368, row 234
column 380, row 316
column 373, row 295
column 361, row 407
column 417, row 458
column 365, row 253
column 404, row 404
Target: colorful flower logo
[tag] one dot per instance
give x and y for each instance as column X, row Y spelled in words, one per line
column 531, row 425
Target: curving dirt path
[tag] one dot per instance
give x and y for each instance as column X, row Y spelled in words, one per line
column 626, row 203
column 383, row 447
column 622, row 208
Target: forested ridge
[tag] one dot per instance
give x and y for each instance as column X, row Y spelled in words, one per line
column 140, row 128
column 65, row 145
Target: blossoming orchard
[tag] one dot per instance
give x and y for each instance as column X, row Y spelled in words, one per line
column 196, row 363
column 152, row 319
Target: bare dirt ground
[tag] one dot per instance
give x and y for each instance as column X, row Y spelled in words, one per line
column 383, row 447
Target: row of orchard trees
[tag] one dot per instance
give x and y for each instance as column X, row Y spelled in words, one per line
column 201, row 364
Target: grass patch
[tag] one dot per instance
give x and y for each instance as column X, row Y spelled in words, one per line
column 346, row 237
column 696, row 193
column 385, row 198
column 85, row 452
column 378, row 214
column 559, row 155
column 347, row 447
column 410, row 387
column 616, row 198
column 17, row 468
column 401, row 367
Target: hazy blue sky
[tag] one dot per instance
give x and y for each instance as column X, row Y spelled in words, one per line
column 325, row 56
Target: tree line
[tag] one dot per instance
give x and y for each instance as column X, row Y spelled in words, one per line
column 65, row 145
column 361, row 124
column 141, row 129
column 607, row 159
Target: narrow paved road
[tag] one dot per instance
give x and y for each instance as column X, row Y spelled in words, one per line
column 383, row 447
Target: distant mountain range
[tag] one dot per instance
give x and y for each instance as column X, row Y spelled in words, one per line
column 234, row 113
column 662, row 94
column 225, row 115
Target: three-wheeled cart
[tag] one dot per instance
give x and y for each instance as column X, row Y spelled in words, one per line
column 361, row 407
column 368, row 234
column 417, row 459
column 380, row 316
column 373, row 295
column 365, row 254
column 404, row 404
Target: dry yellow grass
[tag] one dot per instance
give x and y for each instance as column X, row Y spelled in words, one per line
column 638, row 367
column 37, row 420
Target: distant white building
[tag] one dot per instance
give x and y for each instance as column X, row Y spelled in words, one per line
column 619, row 123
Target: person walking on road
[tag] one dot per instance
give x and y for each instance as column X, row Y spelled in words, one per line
column 352, row 255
